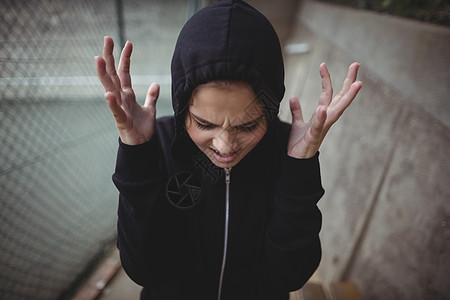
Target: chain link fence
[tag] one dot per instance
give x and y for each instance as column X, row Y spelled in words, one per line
column 58, row 139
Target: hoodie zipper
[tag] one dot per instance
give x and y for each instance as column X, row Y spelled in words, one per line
column 227, row 213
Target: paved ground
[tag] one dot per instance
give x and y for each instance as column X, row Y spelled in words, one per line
column 120, row 288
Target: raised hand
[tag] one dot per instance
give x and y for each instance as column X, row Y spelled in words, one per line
column 135, row 123
column 306, row 138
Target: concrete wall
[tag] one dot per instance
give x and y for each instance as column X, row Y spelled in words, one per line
column 385, row 164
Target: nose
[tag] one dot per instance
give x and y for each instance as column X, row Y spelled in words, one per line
column 225, row 141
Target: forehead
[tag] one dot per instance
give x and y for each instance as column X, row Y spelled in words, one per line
column 225, row 100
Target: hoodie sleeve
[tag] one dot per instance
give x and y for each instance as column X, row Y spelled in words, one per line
column 292, row 246
column 142, row 229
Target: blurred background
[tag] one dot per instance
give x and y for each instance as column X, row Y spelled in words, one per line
column 385, row 165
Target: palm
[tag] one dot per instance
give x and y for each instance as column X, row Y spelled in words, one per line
column 138, row 122
column 135, row 123
column 306, row 137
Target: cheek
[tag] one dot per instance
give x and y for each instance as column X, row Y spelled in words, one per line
column 200, row 137
column 251, row 139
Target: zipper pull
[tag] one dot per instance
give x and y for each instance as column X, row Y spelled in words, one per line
column 227, row 175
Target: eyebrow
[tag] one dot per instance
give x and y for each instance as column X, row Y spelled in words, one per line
column 199, row 119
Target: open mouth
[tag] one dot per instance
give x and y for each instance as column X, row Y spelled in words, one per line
column 224, row 157
column 223, row 154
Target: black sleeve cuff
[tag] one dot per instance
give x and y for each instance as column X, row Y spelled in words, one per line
column 300, row 176
column 137, row 163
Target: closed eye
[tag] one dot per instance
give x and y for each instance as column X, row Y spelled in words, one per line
column 248, row 128
column 203, row 126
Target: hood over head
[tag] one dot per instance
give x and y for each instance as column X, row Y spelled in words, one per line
column 228, row 40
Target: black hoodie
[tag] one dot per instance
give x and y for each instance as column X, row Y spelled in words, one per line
column 262, row 240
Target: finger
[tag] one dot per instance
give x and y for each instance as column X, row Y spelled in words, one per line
column 351, row 77
column 327, row 88
column 296, row 110
column 104, row 77
column 124, row 66
column 117, row 111
column 346, row 100
column 152, row 95
column 318, row 123
column 108, row 56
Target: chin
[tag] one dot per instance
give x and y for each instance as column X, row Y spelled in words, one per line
column 225, row 165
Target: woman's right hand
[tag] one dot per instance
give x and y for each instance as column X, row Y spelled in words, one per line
column 135, row 123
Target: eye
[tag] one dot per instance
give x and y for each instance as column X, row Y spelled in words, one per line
column 248, row 128
column 203, row 126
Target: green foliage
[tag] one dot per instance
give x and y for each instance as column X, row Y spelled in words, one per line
column 433, row 11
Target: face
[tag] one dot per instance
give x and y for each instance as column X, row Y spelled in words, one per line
column 225, row 121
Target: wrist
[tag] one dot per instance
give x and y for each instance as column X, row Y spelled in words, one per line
column 305, row 154
column 132, row 140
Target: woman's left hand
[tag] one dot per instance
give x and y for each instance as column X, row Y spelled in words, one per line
column 306, row 138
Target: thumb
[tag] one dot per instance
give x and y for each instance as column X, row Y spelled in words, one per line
column 152, row 95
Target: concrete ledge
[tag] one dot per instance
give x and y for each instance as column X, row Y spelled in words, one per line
column 100, row 278
column 412, row 57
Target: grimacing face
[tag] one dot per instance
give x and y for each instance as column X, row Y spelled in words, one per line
column 226, row 121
